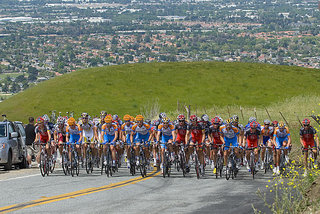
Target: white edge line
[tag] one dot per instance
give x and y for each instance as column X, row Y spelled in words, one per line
column 26, row 176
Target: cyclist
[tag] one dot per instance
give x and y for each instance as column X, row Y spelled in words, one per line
column 235, row 122
column 99, row 123
column 197, row 138
column 252, row 140
column 74, row 135
column 267, row 134
column 308, row 139
column 89, row 134
column 167, row 131
column 215, row 138
column 119, row 145
column 126, row 130
column 206, row 126
column 229, row 138
column 109, row 134
column 153, row 138
column 142, row 133
column 281, row 138
column 180, row 131
column 60, row 133
column 43, row 136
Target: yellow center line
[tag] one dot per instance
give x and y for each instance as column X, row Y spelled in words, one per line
column 75, row 194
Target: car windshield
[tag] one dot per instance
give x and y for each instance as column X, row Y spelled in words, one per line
column 3, row 130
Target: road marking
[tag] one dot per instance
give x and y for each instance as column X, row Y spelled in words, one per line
column 26, row 176
column 76, row 193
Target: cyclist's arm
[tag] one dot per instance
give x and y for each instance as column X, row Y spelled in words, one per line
column 101, row 136
column 203, row 136
column 67, row 137
column 289, row 140
column 95, row 131
column 187, row 136
column 301, row 141
column 116, row 135
column 37, row 137
column 316, row 139
column 158, row 136
column 174, row 135
column 150, row 135
column 55, row 136
column 49, row 135
column 80, row 139
column 244, row 141
column 222, row 139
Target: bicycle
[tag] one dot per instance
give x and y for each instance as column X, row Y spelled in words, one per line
column 44, row 163
column 268, row 158
column 219, row 161
column 132, row 161
column 231, row 166
column 166, row 162
column 252, row 163
column 142, row 160
column 106, row 162
column 65, row 159
column 182, row 159
column 74, row 161
column 282, row 163
column 89, row 156
column 196, row 161
column 311, row 159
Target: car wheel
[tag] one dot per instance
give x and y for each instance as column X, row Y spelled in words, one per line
column 23, row 163
column 8, row 165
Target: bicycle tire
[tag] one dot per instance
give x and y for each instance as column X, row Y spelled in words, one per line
column 87, row 164
column 77, row 164
column 102, row 164
column 197, row 167
column 141, row 167
column 72, row 165
column 252, row 166
column 53, row 164
column 64, row 164
column 42, row 164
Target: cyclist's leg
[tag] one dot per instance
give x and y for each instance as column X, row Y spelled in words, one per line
column 256, row 155
column 278, row 146
column 226, row 150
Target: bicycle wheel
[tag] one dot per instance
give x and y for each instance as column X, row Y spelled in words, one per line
column 43, row 164
column 53, row 164
column 228, row 169
column 197, row 167
column 72, row 164
column 65, row 163
column 88, row 161
column 252, row 166
column 182, row 164
column 102, row 164
column 164, row 166
column 77, row 163
column 142, row 164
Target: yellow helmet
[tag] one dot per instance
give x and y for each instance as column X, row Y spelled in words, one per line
column 71, row 121
column 165, row 120
column 281, row 124
column 108, row 119
column 126, row 117
column 139, row 117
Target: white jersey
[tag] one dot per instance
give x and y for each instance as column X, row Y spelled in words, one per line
column 87, row 130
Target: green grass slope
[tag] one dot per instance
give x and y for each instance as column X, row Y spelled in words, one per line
column 131, row 88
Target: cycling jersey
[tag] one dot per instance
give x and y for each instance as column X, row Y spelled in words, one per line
column 196, row 133
column 206, row 127
column 74, row 134
column 141, row 132
column 44, row 137
column 166, row 131
column 281, row 136
column 230, row 136
column 308, row 137
column 181, row 132
column 88, row 131
column 252, row 138
column 267, row 133
column 215, row 133
column 109, row 133
column 61, row 132
column 127, row 130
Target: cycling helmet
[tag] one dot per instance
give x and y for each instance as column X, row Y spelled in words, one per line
column 103, row 113
column 215, row 120
column 60, row 120
column 205, row 118
column 181, row 117
column 148, row 121
column 275, row 123
column 40, row 120
column 221, row 120
column 165, row 120
column 108, row 119
column 126, row 117
column 115, row 117
column 139, row 117
column 267, row 122
column 253, row 125
column 193, row 118
column 162, row 115
column 281, row 124
column 132, row 118
column 71, row 121
column 46, row 118
column 251, row 119
column 306, row 122
column 228, row 121
column 84, row 115
column 235, row 118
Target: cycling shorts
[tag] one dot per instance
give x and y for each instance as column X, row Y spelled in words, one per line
column 230, row 142
column 279, row 141
column 141, row 138
column 196, row 140
column 252, row 144
column 309, row 144
column 265, row 139
column 108, row 139
column 181, row 139
column 164, row 140
column 74, row 139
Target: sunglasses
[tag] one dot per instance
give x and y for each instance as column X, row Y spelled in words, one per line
column 165, row 123
column 181, row 121
column 216, row 124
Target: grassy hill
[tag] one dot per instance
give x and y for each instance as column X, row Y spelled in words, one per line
column 135, row 88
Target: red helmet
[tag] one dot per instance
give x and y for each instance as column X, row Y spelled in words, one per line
column 215, row 120
column 181, row 117
column 306, row 122
column 253, row 124
column 193, row 118
column 275, row 123
column 40, row 120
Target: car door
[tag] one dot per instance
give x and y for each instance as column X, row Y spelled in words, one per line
column 22, row 139
column 13, row 142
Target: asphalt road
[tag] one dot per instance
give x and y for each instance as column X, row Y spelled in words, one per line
column 26, row 191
